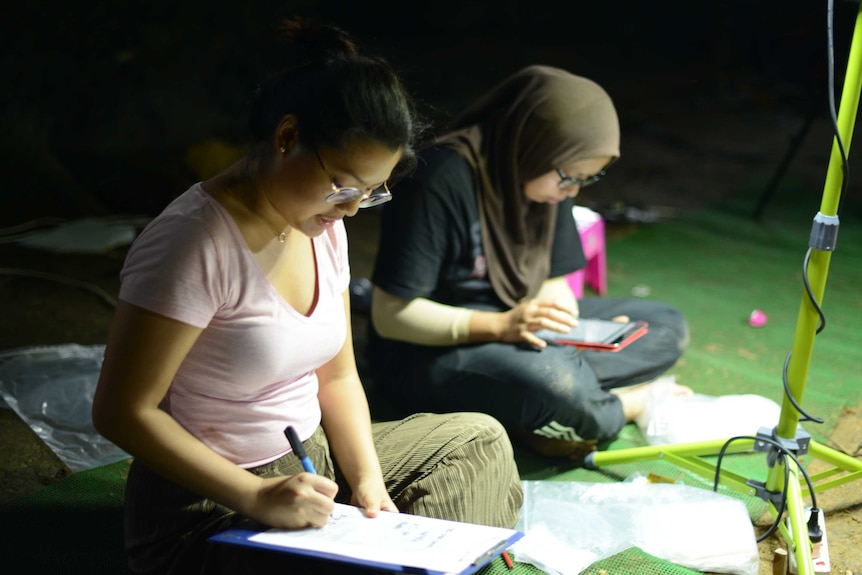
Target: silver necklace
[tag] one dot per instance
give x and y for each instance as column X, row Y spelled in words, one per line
column 281, row 236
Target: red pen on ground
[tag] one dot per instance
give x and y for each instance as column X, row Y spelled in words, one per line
column 508, row 560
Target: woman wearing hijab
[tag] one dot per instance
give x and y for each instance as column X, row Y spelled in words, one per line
column 472, row 262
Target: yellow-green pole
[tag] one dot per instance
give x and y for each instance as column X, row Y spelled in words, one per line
column 818, row 265
column 801, row 546
column 807, row 321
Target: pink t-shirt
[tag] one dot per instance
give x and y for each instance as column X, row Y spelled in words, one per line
column 252, row 371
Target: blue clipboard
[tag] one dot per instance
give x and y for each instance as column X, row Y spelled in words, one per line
column 384, row 548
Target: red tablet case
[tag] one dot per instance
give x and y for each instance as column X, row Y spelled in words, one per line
column 638, row 331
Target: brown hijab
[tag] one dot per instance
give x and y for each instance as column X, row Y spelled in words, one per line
column 536, row 120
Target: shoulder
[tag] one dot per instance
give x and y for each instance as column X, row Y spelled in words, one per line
column 193, row 229
column 440, row 160
column 185, row 262
column 442, row 177
column 193, row 218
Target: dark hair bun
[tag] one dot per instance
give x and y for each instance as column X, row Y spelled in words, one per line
column 336, row 95
column 315, row 42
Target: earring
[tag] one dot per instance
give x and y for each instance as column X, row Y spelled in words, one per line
column 282, row 149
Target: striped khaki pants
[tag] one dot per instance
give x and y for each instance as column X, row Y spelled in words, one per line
column 457, row 466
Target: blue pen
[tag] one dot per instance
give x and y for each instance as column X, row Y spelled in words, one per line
column 298, row 449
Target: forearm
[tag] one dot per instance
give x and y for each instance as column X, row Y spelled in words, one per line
column 553, row 307
column 486, row 326
column 558, row 289
column 420, row 320
column 424, row 322
column 143, row 353
column 345, row 414
column 347, row 421
column 156, row 439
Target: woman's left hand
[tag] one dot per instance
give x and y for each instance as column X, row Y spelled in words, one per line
column 372, row 499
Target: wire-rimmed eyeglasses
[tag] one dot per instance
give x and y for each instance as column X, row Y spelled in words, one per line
column 570, row 181
column 347, row 194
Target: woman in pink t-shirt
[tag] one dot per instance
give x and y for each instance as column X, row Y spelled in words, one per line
column 234, row 324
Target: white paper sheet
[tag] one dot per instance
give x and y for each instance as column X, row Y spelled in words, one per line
column 398, row 539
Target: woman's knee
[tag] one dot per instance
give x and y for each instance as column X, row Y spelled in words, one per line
column 579, row 416
column 480, row 425
column 477, row 431
column 472, row 475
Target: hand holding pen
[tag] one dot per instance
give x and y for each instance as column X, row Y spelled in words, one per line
column 294, row 501
column 298, row 449
column 370, row 503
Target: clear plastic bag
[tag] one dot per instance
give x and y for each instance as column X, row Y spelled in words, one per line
column 570, row 525
column 51, row 388
column 670, row 418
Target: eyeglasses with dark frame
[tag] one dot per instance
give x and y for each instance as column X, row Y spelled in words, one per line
column 570, row 181
column 347, row 194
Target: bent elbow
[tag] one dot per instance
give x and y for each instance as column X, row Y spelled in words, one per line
column 108, row 419
column 384, row 309
column 103, row 420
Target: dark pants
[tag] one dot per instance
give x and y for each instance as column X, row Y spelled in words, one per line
column 558, row 392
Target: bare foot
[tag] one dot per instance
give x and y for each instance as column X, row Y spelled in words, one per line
column 634, row 398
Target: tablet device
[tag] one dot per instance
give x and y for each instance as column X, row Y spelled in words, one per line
column 597, row 334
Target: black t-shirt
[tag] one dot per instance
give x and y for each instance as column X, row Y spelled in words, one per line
column 431, row 240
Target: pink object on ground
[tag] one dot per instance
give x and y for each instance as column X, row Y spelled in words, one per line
column 757, row 318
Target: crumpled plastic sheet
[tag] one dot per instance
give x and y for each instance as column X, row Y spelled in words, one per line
column 51, row 388
column 669, row 418
column 570, row 525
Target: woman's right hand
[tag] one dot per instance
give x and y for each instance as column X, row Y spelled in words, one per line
column 143, row 354
column 520, row 322
column 294, row 501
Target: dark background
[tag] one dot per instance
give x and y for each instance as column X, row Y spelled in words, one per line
column 102, row 101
